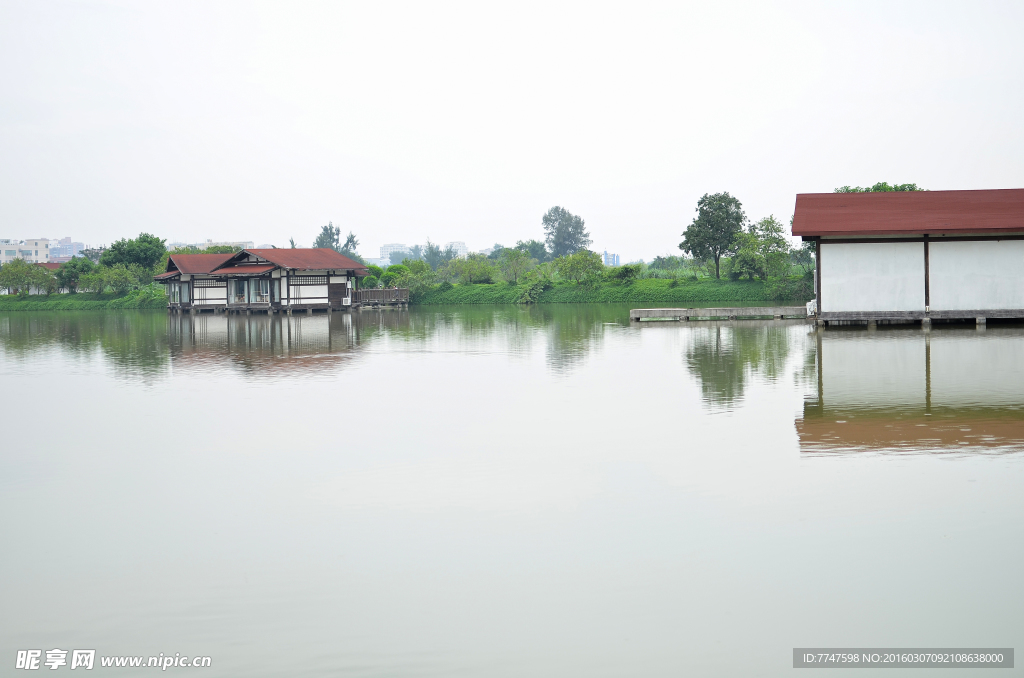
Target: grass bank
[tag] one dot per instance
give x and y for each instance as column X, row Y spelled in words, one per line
column 649, row 291
column 144, row 298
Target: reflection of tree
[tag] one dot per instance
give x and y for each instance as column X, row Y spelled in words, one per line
column 723, row 358
column 134, row 341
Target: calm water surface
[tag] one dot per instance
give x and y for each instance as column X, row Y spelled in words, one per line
column 501, row 491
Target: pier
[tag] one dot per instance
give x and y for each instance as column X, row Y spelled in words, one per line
column 683, row 314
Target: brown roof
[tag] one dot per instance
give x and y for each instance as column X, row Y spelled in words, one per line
column 198, row 263
column 50, row 265
column 914, row 213
column 309, row 259
column 169, row 274
column 250, row 269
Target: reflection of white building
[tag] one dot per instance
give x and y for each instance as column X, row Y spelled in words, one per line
column 461, row 251
column 32, row 250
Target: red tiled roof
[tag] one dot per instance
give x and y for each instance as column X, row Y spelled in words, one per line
column 249, row 269
column 909, row 213
column 49, row 264
column 169, row 274
column 198, row 263
column 309, row 259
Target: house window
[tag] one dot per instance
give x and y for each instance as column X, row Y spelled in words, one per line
column 308, row 280
column 239, row 292
column 260, row 291
column 184, row 293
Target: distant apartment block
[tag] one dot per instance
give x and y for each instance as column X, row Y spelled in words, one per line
column 32, row 250
column 461, row 251
column 386, row 250
column 611, row 259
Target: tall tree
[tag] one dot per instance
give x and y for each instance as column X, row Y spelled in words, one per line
column 145, row 251
column 513, row 263
column 348, row 248
column 432, row 255
column 70, row 272
column 536, row 250
column 712, row 234
column 564, row 232
column 329, row 238
column 416, row 252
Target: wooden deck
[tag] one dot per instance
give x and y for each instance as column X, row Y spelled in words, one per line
column 682, row 314
column 391, row 297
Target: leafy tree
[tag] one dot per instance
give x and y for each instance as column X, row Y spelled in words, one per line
column 44, row 281
column 94, row 281
column 626, row 273
column 763, row 250
column 536, row 250
column 564, row 232
column 376, row 271
column 329, row 238
column 393, row 274
column 880, row 187
column 144, row 251
column 369, row 282
column 496, row 252
column 71, row 271
column 16, row 276
column 581, row 266
column 416, row 252
column 669, row 263
column 123, row 279
column 712, row 234
column 473, row 269
column 513, row 263
column 291, row 241
column 803, row 256
column 416, row 266
column 432, row 255
column 398, row 257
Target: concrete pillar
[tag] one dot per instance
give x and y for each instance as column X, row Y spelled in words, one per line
column 926, row 323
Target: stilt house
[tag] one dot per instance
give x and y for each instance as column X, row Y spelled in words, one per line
column 916, row 255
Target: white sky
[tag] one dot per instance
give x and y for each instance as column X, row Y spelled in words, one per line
column 262, row 121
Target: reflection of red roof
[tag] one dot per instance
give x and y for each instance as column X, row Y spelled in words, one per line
column 250, row 269
column 198, row 263
column 309, row 259
column 50, row 265
column 914, row 212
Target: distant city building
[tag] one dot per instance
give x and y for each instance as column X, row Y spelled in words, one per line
column 380, row 261
column 611, row 259
column 488, row 251
column 461, row 251
column 65, row 250
column 233, row 244
column 265, row 246
column 32, row 250
column 386, row 250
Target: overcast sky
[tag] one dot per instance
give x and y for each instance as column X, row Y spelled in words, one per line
column 264, row 121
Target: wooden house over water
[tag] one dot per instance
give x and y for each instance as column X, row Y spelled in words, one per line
column 916, row 256
column 263, row 280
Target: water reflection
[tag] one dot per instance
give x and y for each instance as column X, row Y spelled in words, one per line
column 902, row 390
column 724, row 358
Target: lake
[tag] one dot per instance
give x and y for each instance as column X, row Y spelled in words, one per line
column 505, row 491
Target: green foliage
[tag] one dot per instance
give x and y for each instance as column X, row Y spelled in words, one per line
column 435, row 256
column 416, row 266
column 513, row 264
column 674, row 291
column 803, row 257
column 669, row 263
column 880, row 187
column 144, row 251
column 564, row 232
column 393, row 274
column 150, row 296
column 712, row 234
column 626, row 273
column 763, row 251
column 397, row 257
column 291, row 242
column 375, row 271
column 369, row 282
column 535, row 249
column 16, row 276
column 583, row 266
column 473, row 269
column 329, row 238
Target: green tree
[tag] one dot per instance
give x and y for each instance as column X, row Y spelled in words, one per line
column 16, row 276
column 712, row 234
column 43, row 280
column 763, row 250
column 398, row 257
column 94, row 281
column 123, row 279
column 564, row 232
column 393, row 274
column 880, row 187
column 348, row 248
column 145, row 251
column 626, row 273
column 329, row 238
column 473, row 269
column 375, row 271
column 581, row 266
column 513, row 263
column 432, row 255
column 291, row 241
column 536, row 250
column 416, row 266
column 71, row 271
column 803, row 256
column 416, row 252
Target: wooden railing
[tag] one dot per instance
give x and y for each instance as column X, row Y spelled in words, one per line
column 393, row 296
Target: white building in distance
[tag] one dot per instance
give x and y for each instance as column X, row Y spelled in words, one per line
column 461, row 251
column 32, row 250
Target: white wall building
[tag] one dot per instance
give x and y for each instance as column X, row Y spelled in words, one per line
column 386, row 250
column 33, row 250
column 461, row 251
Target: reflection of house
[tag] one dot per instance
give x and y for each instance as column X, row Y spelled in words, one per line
column 954, row 390
column 916, row 255
column 262, row 280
